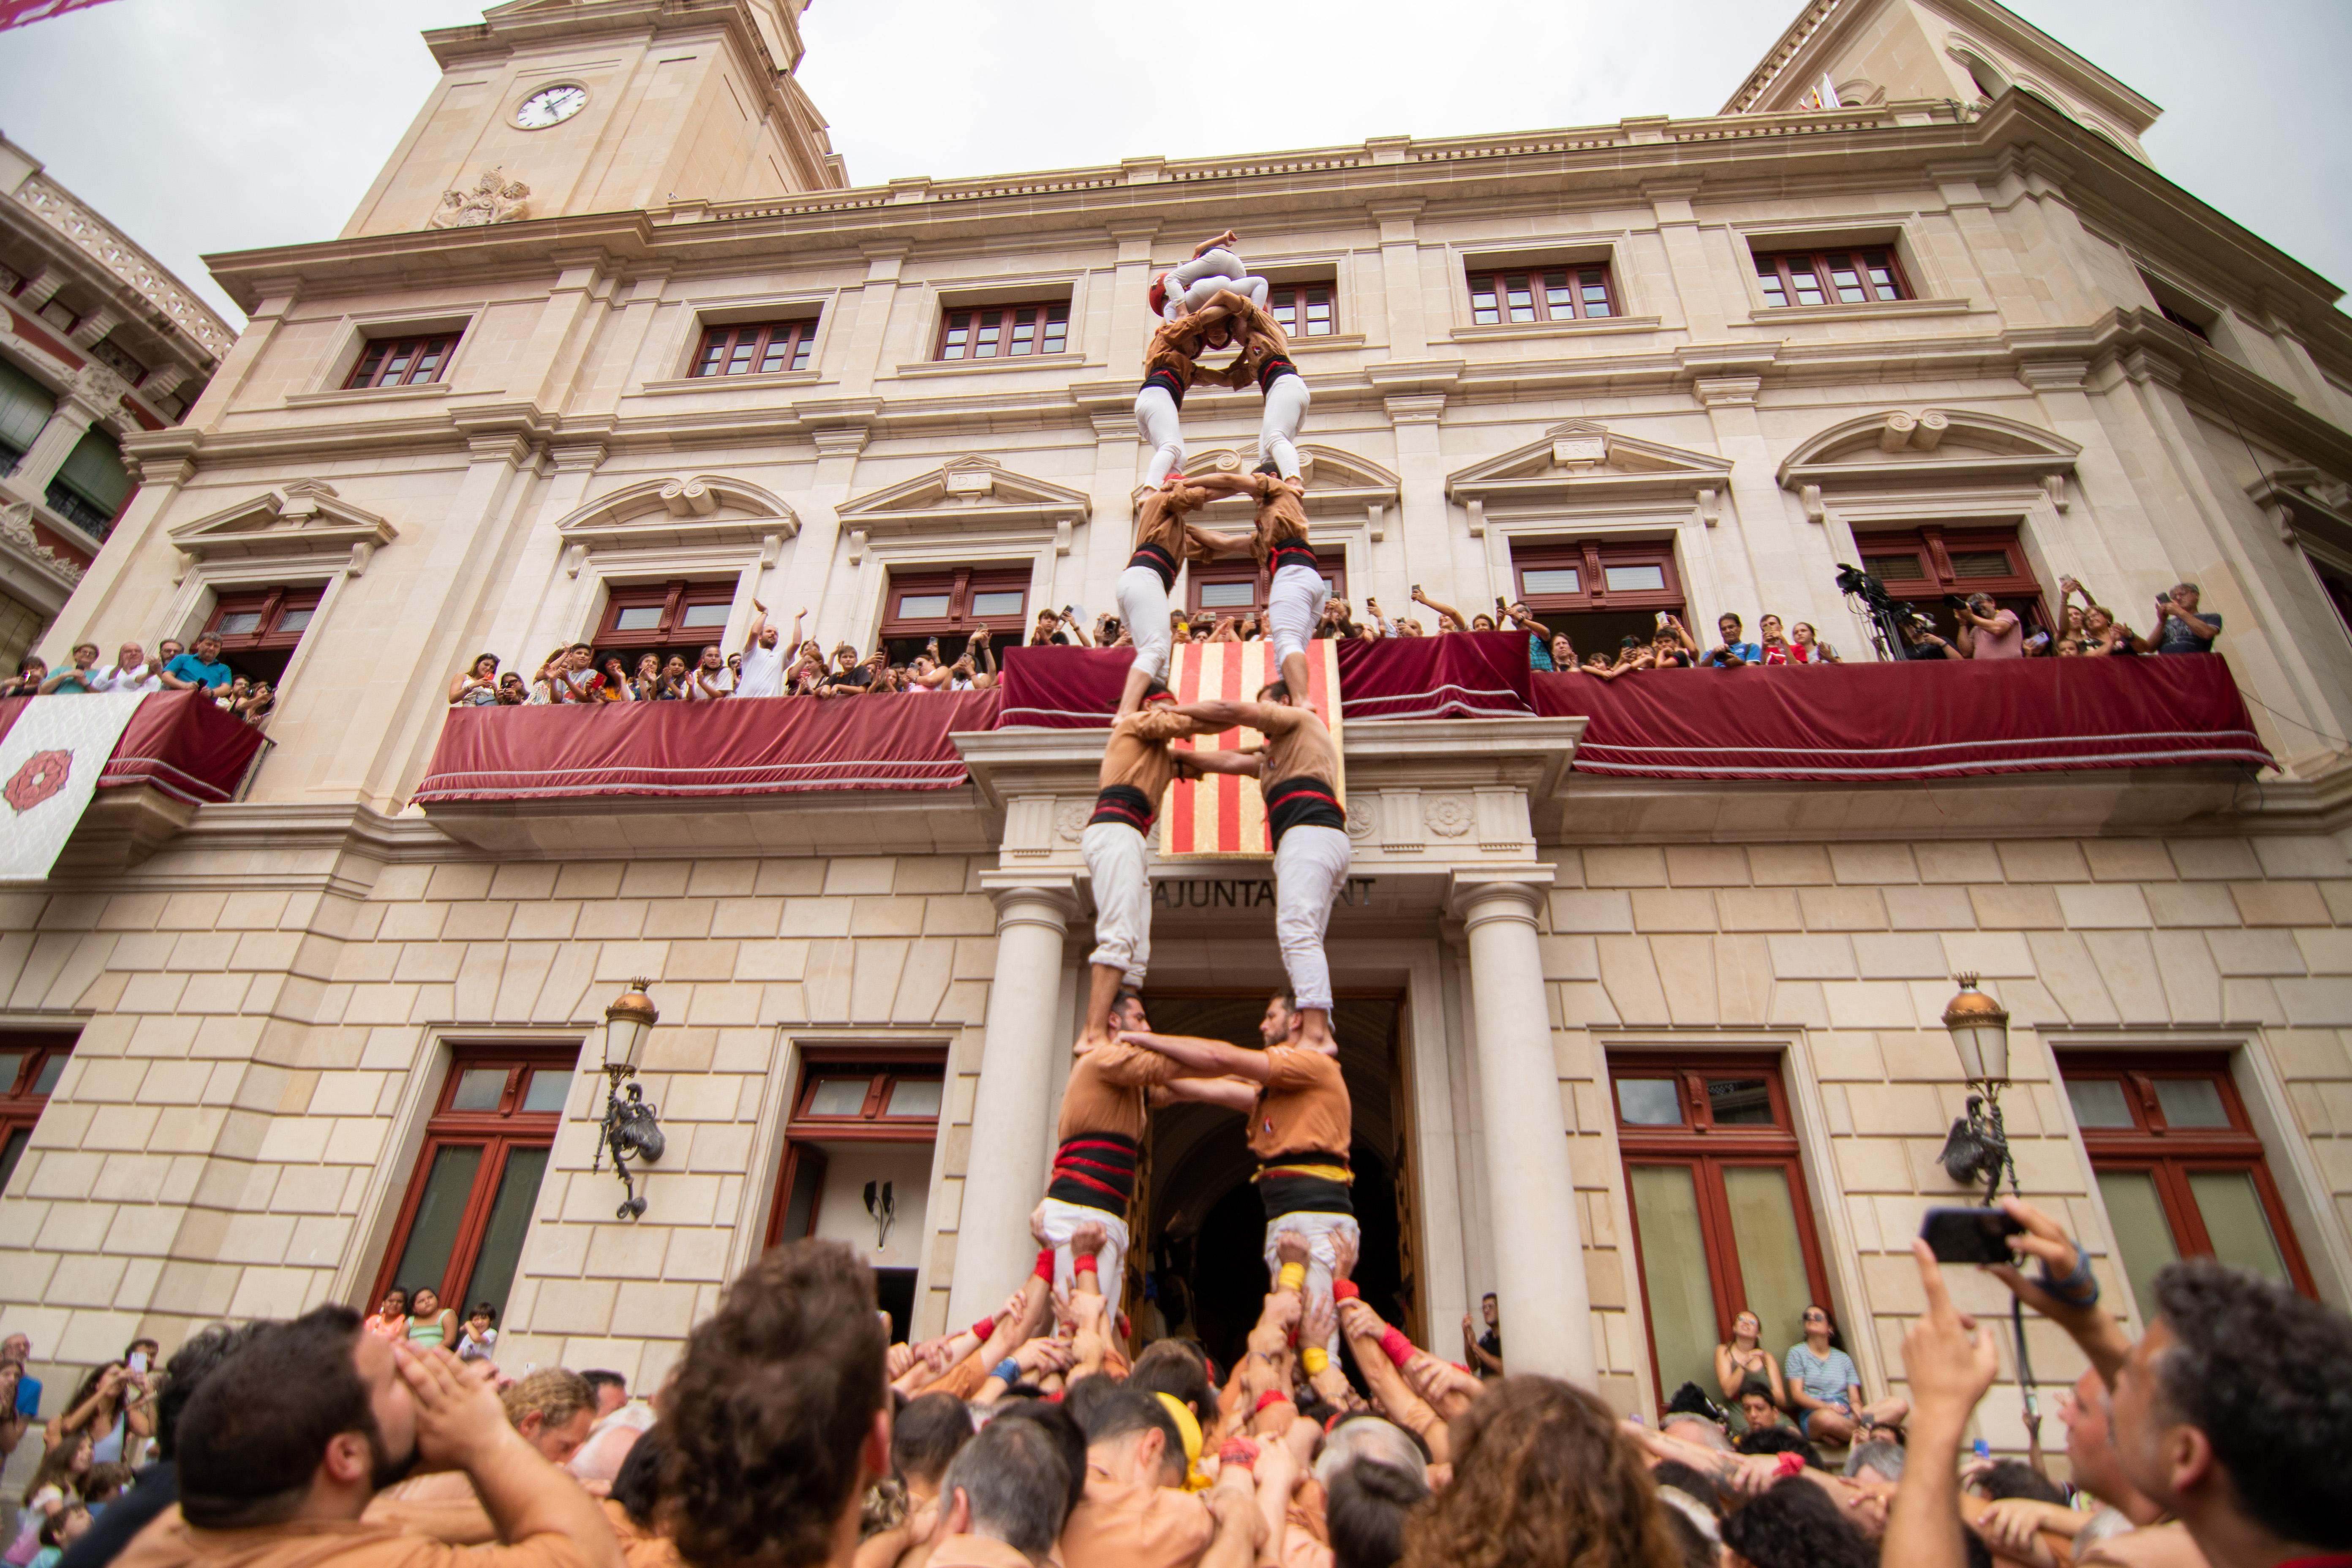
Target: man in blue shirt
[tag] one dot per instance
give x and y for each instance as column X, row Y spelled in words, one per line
column 1731, row 653
column 201, row 669
column 2179, row 626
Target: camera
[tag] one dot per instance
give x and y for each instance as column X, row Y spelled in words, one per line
column 1956, row 601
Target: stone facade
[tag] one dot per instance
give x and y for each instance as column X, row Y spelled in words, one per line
column 268, row 1003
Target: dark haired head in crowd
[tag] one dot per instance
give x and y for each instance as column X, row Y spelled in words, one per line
column 780, row 1413
column 1010, row 1484
column 636, row 1486
column 924, row 1439
column 1365, row 1503
column 1797, row 1525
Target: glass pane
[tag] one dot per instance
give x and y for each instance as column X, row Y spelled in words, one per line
column 548, row 1087
column 494, row 1265
column 1740, row 1101
column 639, row 619
column 800, row 352
column 1902, row 568
column 11, row 1064
column 2236, row 1221
column 712, row 353
column 1596, row 294
column 914, row 1097
column 478, row 1089
column 1847, row 281
column 1767, row 277
column 11, row 1151
column 2191, row 1103
column 800, row 1209
column 447, row 1189
column 1771, row 1254
column 1007, row 603
column 295, row 620
column 1551, row 580
column 773, row 360
column 1483, row 309
column 1675, row 1268
column 45, row 1081
column 1808, row 285
column 839, row 1097
column 705, row 616
column 740, row 362
column 1633, row 579
column 922, row 607
column 244, row 623
column 2143, row 1235
column 1520, row 297
column 1649, row 1102
column 1980, row 563
column 1228, row 595
column 2099, row 1102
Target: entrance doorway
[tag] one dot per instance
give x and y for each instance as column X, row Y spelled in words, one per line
column 1202, row 1229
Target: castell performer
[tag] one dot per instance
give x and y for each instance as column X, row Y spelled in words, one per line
column 1294, row 600
column 1195, row 284
column 1171, row 369
column 1265, row 359
column 1162, row 543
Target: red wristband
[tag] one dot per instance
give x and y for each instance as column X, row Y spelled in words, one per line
column 1344, row 1290
column 1085, row 1264
column 1789, row 1464
column 1046, row 1266
column 1271, row 1396
column 982, row 1329
column 1398, row 1349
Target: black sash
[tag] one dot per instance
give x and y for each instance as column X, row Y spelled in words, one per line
column 1301, row 802
column 1286, row 1190
column 1273, row 370
column 1169, row 379
column 1125, row 805
column 1096, row 1171
column 1162, row 563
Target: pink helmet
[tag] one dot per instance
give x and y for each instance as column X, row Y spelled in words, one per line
column 1158, row 295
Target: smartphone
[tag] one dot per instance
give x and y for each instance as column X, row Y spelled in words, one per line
column 1968, row 1235
column 1662, row 620
column 138, row 1363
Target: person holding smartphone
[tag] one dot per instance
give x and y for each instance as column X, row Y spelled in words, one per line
column 108, row 1409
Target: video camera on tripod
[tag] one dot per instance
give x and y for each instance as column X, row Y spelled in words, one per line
column 1888, row 616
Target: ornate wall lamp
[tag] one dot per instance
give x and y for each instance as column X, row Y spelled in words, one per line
column 631, row 1130
column 1977, row 1149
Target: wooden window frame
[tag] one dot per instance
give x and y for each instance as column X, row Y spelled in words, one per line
column 676, row 597
column 1936, row 545
column 1287, row 303
column 2169, row 1154
column 754, row 344
column 274, row 605
column 21, row 1103
column 961, row 584
column 805, row 1134
column 1331, row 558
column 1702, row 1146
column 1005, row 323
column 1575, row 279
column 499, row 1133
column 1776, row 275
column 420, row 358
column 1592, row 558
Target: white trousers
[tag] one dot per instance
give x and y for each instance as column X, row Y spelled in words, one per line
column 1285, row 410
column 1321, row 1252
column 1115, row 856
column 1309, row 869
column 1062, row 1222
column 1201, row 279
column 1143, row 611
column 1293, row 603
column 1163, row 429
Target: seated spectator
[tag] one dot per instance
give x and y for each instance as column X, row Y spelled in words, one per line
column 30, row 672
column 2181, row 627
column 198, row 670
column 1731, row 653
column 390, row 1319
column 1988, row 631
column 1824, row 1387
column 1805, row 646
column 1009, row 1488
column 59, row 1531
column 1540, row 1475
column 1756, row 1406
column 56, row 1483
column 285, row 1443
column 131, row 672
column 479, row 686
column 79, row 679
column 102, row 1485
column 110, row 1408
column 710, row 678
column 1796, row 1524
column 1921, row 640
column 479, row 1340
column 1743, row 1358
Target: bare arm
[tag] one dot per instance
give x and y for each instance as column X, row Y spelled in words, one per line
column 1224, row 761
column 1204, row 1059
column 1950, row 1363
column 759, row 624
column 1233, row 1093
column 1448, row 618
column 1218, row 717
column 1219, row 543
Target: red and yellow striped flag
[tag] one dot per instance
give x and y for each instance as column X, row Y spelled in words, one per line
column 1223, row 817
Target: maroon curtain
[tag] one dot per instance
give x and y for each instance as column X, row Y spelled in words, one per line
column 1474, row 675
column 1945, row 718
column 758, row 745
column 178, row 741
column 1062, row 688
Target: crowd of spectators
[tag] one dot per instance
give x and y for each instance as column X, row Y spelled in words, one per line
column 173, row 667
column 793, row 1432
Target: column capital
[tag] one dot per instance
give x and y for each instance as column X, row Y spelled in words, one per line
column 1476, row 898
column 1025, row 898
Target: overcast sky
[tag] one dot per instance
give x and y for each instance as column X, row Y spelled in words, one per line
column 206, row 125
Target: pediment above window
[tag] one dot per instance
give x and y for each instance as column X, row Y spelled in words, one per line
column 300, row 520
column 968, row 495
column 1898, row 447
column 680, row 514
column 2303, row 505
column 1338, row 484
column 1581, row 463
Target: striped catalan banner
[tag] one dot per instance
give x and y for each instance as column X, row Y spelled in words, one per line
column 23, row 13
column 1223, row 817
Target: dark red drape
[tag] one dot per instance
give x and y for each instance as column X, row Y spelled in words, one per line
column 1867, row 722
column 178, row 741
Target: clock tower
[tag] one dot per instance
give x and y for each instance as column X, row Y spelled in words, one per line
column 554, row 107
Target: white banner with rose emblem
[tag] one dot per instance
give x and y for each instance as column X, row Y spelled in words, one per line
column 49, row 763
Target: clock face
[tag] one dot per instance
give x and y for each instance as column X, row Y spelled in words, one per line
column 550, row 106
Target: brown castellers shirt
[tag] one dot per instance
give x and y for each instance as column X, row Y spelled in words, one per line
column 1176, row 344
column 1298, row 746
column 1262, row 338
column 1281, row 513
column 1304, row 1108
column 1138, row 754
column 1159, row 522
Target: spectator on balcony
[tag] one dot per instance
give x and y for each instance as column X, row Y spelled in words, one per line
column 1920, row 640
column 1806, row 646
column 762, row 672
column 30, row 673
column 646, row 684
column 564, row 678
column 512, row 693
column 2181, row 627
column 1988, row 631
column 1539, row 634
column 1449, row 619
column 1670, row 647
column 1054, row 627
column 711, row 680
column 1732, row 652
column 131, row 672
column 246, row 699
column 1563, row 653
column 1773, row 642
column 79, row 679
column 847, row 677
column 477, row 688
column 199, row 670
column 617, row 687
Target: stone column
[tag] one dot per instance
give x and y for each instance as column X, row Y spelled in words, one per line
column 1011, row 1115
column 68, row 423
column 1538, row 1246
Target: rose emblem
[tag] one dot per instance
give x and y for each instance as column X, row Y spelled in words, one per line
column 42, row 774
